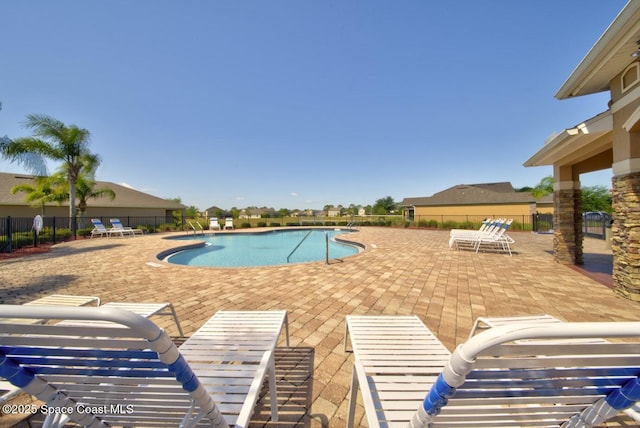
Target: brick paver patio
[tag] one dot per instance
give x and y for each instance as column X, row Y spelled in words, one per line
column 402, row 271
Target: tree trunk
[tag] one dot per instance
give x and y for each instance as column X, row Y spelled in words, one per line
column 72, row 206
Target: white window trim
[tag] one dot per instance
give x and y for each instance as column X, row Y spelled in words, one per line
column 635, row 65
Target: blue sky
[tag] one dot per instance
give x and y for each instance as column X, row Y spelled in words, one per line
column 300, row 104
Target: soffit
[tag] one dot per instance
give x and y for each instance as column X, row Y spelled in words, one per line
column 609, row 55
column 576, row 144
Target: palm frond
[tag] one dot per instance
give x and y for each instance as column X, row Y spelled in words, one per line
column 45, row 126
column 28, row 152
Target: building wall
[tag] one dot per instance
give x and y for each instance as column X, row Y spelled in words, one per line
column 461, row 212
column 545, row 208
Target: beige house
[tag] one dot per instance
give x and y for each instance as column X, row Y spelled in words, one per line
column 127, row 203
column 608, row 140
column 248, row 213
column 473, row 202
column 334, row 212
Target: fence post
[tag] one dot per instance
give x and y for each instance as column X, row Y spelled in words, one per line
column 54, row 229
column 9, row 234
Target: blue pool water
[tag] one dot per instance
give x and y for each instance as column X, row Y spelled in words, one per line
column 264, row 248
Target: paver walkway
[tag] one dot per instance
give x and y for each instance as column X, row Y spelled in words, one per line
column 403, row 271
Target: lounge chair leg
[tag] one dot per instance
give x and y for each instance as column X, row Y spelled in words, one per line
column 175, row 318
column 351, row 413
column 272, row 389
column 286, row 328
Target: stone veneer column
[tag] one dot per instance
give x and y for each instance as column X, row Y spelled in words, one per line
column 567, row 226
column 625, row 229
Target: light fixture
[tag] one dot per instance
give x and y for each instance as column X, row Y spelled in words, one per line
column 636, row 53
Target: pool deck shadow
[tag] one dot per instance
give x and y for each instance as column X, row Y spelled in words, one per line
column 401, row 272
column 598, row 267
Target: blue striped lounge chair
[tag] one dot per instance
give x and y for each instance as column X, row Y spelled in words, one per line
column 112, row 367
column 514, row 375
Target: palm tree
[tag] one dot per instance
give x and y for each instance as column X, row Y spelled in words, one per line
column 40, row 193
column 544, row 188
column 85, row 185
column 56, row 141
column 85, row 190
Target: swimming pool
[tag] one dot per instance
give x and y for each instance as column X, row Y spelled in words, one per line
column 264, row 248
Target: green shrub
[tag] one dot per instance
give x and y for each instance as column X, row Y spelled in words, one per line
column 274, row 224
column 145, row 228
column 516, row 225
column 450, row 224
column 467, row 225
column 166, row 227
column 245, row 226
column 62, row 234
column 262, row 224
column 83, row 232
column 22, row 240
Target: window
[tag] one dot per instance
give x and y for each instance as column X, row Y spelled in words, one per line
column 630, row 76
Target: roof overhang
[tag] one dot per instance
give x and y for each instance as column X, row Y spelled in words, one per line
column 576, row 144
column 610, row 55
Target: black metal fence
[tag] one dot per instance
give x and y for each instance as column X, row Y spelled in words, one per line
column 596, row 227
column 535, row 222
column 18, row 232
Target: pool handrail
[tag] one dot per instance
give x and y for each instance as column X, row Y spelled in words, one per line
column 297, row 246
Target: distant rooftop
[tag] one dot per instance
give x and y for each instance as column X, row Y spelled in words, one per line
column 473, row 194
column 126, row 197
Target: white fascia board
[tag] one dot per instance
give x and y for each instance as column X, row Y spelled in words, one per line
column 571, row 139
column 602, row 54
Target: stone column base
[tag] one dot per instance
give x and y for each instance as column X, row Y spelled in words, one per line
column 625, row 230
column 567, row 224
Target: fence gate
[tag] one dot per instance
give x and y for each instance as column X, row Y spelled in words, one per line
column 542, row 223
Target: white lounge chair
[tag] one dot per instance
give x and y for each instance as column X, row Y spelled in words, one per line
column 228, row 223
column 146, row 310
column 502, row 378
column 99, row 229
column 56, row 300
column 482, row 323
column 213, row 224
column 486, row 226
column 149, row 310
column 7, row 390
column 396, row 360
column 231, row 354
column 126, row 364
column 495, row 238
column 65, row 300
column 464, row 237
column 123, row 230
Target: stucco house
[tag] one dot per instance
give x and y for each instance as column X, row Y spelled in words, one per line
column 127, row 203
column 472, row 202
column 247, row 213
column 334, row 212
column 610, row 139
